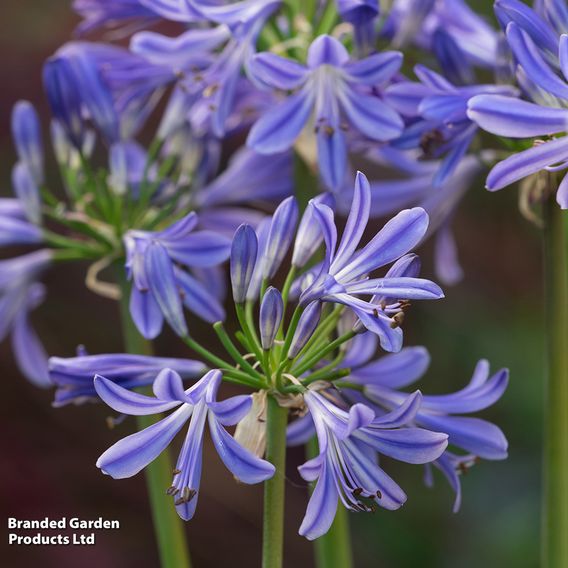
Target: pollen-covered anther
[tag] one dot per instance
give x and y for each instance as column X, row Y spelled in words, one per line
column 187, row 495
column 397, row 320
column 210, row 90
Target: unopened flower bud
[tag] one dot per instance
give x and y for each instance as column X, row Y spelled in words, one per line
column 306, row 326
column 280, row 236
column 243, row 257
column 271, row 312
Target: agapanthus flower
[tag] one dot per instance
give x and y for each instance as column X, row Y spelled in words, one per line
column 546, row 117
column 158, row 263
column 114, row 88
column 382, row 380
column 73, row 376
column 20, row 293
column 331, row 94
column 437, row 109
column 197, row 404
column 209, row 80
column 346, row 468
column 344, row 275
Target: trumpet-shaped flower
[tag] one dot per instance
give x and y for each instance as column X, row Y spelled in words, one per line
column 343, row 276
column 383, row 378
column 157, row 263
column 546, row 117
column 346, row 468
column 197, row 404
column 333, row 90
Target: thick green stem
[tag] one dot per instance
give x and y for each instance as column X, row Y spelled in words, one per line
column 168, row 527
column 333, row 549
column 273, row 531
column 555, row 498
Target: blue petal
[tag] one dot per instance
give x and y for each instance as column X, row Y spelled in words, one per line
column 410, row 445
column 132, row 454
column 332, row 157
column 507, row 116
column 403, row 287
column 376, row 69
column 535, row 67
column 372, row 117
column 163, row 286
column 300, row 431
column 189, row 48
column 527, row 162
column 356, row 223
column 390, row 338
column 321, row 507
column 145, row 313
column 198, row 299
column 471, row 434
column 528, row 20
column 309, row 235
column 168, row 386
column 200, row 248
column 244, row 465
column 277, row 72
column 395, row 371
column 402, row 415
column 470, row 399
column 130, row 402
column 232, row 410
column 447, row 266
column 276, row 130
column 399, row 235
column 326, row 50
column 29, row 353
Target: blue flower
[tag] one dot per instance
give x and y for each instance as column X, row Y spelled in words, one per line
column 547, row 116
column 197, row 404
column 73, row 376
column 210, row 81
column 437, row 109
column 113, row 87
column 346, row 468
column 157, row 263
column 333, row 89
column 343, row 276
column 383, row 378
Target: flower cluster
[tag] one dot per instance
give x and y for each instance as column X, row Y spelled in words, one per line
column 263, row 108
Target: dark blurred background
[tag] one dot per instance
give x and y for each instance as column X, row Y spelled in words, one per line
column 48, row 468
